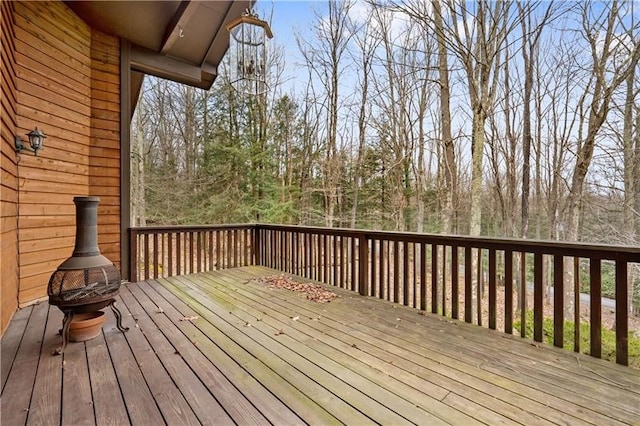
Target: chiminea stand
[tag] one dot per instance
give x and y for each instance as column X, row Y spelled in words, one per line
column 69, row 313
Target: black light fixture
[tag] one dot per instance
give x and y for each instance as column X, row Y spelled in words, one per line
column 36, row 141
column 248, row 53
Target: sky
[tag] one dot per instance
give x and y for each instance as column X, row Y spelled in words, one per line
column 288, row 18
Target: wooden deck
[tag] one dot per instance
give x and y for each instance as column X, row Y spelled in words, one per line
column 220, row 348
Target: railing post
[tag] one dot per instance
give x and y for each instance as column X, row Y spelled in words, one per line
column 257, row 250
column 133, row 255
column 362, row 267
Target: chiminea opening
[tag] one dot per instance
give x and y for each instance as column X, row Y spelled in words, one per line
column 87, row 281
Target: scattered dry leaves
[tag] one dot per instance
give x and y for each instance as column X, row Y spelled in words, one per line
column 314, row 292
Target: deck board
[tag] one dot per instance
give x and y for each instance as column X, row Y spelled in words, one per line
column 11, row 341
column 109, row 406
column 45, row 401
column 16, row 395
column 221, row 348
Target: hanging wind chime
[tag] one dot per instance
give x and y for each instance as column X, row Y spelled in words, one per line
column 248, row 53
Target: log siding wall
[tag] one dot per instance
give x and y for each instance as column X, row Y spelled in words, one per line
column 8, row 180
column 104, row 159
column 66, row 83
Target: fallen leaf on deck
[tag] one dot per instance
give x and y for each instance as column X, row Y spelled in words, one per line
column 193, row 318
column 247, row 324
column 159, row 310
column 296, row 318
column 279, row 332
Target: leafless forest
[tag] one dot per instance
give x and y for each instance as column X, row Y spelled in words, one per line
column 513, row 119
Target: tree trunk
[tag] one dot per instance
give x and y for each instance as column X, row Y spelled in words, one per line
column 450, row 170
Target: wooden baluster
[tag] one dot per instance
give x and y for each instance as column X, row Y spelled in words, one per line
column 467, row 285
column 622, row 313
column 576, row 303
column 209, row 250
column 508, row 291
column 199, row 251
column 382, row 281
column 170, row 242
column 146, row 256
column 454, row 282
column 373, row 279
column 558, row 300
column 443, row 290
column 327, row 259
column 342, row 263
column 537, row 297
column 133, row 253
column 363, row 256
column 353, row 279
column 523, row 294
column 595, row 286
column 479, row 286
column 396, row 271
column 434, row 278
column 229, row 248
column 163, row 254
column 155, row 255
column 492, row 289
column 406, row 293
column 423, row 276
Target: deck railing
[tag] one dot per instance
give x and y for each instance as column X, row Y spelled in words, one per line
column 488, row 281
column 166, row 251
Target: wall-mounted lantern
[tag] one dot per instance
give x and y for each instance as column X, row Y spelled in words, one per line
column 248, row 53
column 36, row 141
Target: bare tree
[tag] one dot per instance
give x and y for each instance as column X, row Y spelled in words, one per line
column 449, row 162
column 366, row 44
column 325, row 60
column 600, row 24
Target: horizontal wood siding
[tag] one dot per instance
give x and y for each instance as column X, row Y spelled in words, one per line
column 53, row 55
column 104, row 160
column 67, row 84
column 8, row 180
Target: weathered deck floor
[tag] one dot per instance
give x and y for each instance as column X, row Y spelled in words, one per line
column 218, row 348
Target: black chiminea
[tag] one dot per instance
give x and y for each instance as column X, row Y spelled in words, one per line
column 87, row 281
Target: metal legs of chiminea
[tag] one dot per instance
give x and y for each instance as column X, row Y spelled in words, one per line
column 70, row 313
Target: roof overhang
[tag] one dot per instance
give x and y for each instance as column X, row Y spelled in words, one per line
column 183, row 41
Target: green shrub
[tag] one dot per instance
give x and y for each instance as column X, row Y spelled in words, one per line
column 608, row 339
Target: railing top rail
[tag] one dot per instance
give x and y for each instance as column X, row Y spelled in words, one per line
column 186, row 228
column 598, row 251
column 595, row 251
